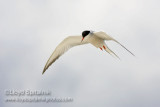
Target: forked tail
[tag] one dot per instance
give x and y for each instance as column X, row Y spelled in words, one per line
column 109, row 51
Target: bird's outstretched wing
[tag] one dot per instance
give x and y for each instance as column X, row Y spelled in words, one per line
column 65, row 45
column 104, row 36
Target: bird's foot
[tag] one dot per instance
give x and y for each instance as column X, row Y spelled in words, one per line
column 104, row 47
column 101, row 48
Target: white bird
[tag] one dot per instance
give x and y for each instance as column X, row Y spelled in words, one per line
column 97, row 39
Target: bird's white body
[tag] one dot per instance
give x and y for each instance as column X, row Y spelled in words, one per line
column 97, row 39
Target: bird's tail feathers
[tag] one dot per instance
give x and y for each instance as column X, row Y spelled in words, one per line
column 110, row 52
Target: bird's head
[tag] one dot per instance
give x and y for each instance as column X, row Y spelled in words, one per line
column 85, row 33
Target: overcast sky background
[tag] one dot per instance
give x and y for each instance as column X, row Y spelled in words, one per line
column 31, row 29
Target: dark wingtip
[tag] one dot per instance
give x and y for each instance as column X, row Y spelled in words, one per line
column 43, row 71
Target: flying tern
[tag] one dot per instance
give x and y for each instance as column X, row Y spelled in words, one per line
column 97, row 39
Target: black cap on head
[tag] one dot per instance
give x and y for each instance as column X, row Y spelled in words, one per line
column 85, row 33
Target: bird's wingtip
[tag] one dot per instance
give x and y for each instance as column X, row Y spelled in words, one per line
column 134, row 55
column 43, row 71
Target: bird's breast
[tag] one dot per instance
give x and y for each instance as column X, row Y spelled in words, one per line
column 97, row 42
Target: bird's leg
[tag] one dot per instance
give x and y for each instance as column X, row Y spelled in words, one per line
column 101, row 48
column 104, row 47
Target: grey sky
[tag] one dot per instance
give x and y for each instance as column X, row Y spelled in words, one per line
column 31, row 29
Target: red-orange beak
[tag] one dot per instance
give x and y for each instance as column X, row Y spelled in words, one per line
column 82, row 39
